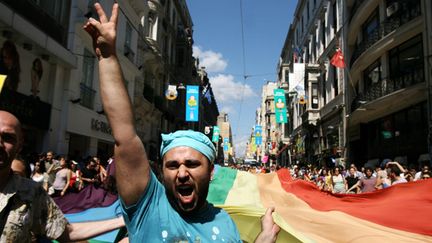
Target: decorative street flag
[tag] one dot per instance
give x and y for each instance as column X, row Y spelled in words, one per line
column 192, row 101
column 338, row 59
column 225, row 144
column 171, row 93
column 280, row 107
column 216, row 132
column 258, row 134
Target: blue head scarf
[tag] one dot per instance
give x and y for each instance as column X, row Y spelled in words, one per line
column 189, row 138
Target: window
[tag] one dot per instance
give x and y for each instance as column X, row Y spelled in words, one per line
column 335, row 81
column 334, row 24
column 86, row 87
column 128, row 35
column 406, row 63
column 127, row 45
column 151, row 22
column 323, row 33
column 88, row 68
column 314, row 95
column 324, row 90
column 372, row 77
column 370, row 29
column 286, row 75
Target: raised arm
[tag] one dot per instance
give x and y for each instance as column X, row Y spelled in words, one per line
column 132, row 167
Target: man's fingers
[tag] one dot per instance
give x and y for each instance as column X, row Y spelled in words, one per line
column 114, row 14
column 101, row 13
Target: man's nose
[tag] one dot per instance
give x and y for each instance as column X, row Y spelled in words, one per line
column 183, row 173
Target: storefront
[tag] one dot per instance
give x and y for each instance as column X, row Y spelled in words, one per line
column 398, row 136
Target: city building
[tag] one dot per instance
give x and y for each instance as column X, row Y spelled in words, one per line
column 373, row 103
column 225, row 148
column 56, row 94
column 388, row 53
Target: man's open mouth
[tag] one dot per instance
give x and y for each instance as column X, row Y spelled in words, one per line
column 185, row 193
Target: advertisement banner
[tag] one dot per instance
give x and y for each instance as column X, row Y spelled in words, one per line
column 258, row 134
column 225, row 144
column 192, row 103
column 216, row 132
column 280, row 106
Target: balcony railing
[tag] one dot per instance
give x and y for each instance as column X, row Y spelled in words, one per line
column 87, row 96
column 388, row 86
column 407, row 13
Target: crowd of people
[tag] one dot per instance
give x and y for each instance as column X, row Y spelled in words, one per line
column 59, row 175
column 349, row 180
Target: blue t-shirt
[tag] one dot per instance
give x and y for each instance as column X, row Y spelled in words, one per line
column 153, row 219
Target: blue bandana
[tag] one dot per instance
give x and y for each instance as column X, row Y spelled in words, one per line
column 189, row 138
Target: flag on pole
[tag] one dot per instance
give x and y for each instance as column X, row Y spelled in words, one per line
column 338, row 59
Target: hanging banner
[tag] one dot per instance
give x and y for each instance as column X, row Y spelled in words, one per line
column 192, row 101
column 258, row 134
column 171, row 93
column 280, row 107
column 216, row 132
column 225, row 144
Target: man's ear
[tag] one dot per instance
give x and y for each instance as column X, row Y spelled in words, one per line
column 212, row 167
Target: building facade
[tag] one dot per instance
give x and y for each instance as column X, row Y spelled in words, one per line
column 55, row 92
column 377, row 106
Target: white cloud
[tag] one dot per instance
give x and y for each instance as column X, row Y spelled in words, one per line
column 227, row 90
column 212, row 61
column 240, row 145
column 227, row 109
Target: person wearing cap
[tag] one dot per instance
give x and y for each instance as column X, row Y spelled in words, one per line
column 175, row 209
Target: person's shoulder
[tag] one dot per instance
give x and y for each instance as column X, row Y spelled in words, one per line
column 25, row 188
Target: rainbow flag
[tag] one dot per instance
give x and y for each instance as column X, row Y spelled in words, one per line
column 400, row 213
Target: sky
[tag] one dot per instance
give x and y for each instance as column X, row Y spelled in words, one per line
column 218, row 43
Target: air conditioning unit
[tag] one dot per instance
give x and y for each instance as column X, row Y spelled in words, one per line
column 392, row 9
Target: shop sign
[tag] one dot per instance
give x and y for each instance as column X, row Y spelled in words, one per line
column 100, row 126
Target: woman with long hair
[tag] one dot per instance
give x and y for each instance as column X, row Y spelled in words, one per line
column 39, row 175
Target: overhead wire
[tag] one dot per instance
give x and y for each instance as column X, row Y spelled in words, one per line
column 244, row 63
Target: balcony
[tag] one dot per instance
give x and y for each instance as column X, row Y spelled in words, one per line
column 388, row 86
column 87, row 95
column 409, row 13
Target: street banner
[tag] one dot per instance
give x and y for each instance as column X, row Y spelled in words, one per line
column 225, row 144
column 216, row 132
column 258, row 134
column 280, row 106
column 192, row 103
